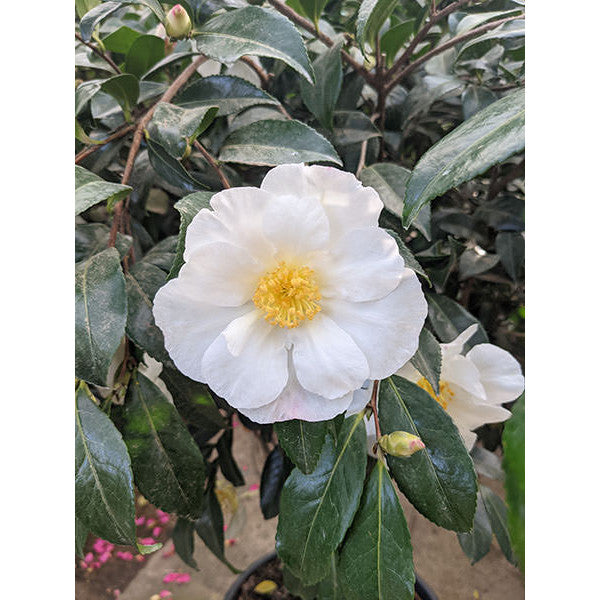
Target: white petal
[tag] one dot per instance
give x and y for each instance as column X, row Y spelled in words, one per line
column 297, row 403
column 470, row 413
column 386, row 330
column 363, row 265
column 500, row 373
column 238, row 332
column 295, row 224
column 327, row 360
column 469, row 438
column 257, row 375
column 360, row 398
column 222, row 274
column 409, row 372
column 460, row 371
column 236, row 218
column 456, row 345
column 189, row 326
column 347, row 203
column 371, row 436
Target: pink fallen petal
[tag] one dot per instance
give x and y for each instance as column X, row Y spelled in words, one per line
column 83, row 564
column 183, row 578
column 104, row 557
column 244, row 467
column 156, row 531
column 125, row 555
column 140, row 558
column 148, row 541
column 170, row 577
column 165, row 594
column 99, row 546
column 164, row 520
column 169, row 551
column 161, row 513
column 225, row 527
column 96, row 565
column 117, row 593
column 150, row 522
column 253, row 487
column 89, row 557
column 140, row 520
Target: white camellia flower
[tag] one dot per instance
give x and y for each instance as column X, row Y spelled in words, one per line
column 474, row 386
column 291, row 296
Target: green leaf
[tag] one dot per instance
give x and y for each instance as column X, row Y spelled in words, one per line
column 394, row 38
column 449, row 318
column 153, row 5
column 104, row 106
column 271, row 142
column 487, row 138
column 169, row 168
column 94, row 17
column 487, row 463
column 209, row 526
column 163, row 254
column 82, row 7
column 409, row 259
column 84, row 93
column 294, row 585
column 476, row 98
column 476, row 544
column 474, row 20
column 313, row 9
column 330, row 588
column 317, row 509
column 148, row 548
column 100, row 314
column 230, row 94
column 389, row 181
column 428, row 359
column 91, row 238
column 513, row 443
column 275, row 471
column 167, row 465
column 91, row 189
column 497, row 513
column 226, row 461
column 372, row 14
column 254, row 31
column 302, row 442
column 121, row 39
column 183, row 540
column 104, row 502
column 509, row 30
column 125, row 89
column 353, row 127
column 510, row 247
column 474, row 263
column 141, row 283
column 376, row 560
column 440, row 480
column 144, row 52
column 321, row 97
column 188, row 208
column 81, row 536
column 174, row 127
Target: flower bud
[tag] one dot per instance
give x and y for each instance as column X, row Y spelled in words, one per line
column 178, row 23
column 401, row 443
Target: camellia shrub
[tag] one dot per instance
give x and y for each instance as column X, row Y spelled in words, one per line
column 311, row 215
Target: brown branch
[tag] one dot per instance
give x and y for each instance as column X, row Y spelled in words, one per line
column 373, row 403
column 101, row 54
column 111, row 138
column 443, row 47
column 172, row 90
column 293, row 16
column 262, row 74
column 213, row 163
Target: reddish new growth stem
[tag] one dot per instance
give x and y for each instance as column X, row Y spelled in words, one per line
column 374, row 407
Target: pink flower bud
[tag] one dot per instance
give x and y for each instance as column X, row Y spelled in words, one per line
column 401, row 443
column 178, row 23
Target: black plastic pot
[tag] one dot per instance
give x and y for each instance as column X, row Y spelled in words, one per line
column 421, row 588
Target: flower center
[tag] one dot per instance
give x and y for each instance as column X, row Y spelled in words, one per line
column 443, row 398
column 288, row 295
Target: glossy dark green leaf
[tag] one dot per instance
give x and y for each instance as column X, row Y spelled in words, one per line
column 121, row 39
column 174, row 127
column 449, row 318
column 230, row 94
column 409, row 259
column 376, row 559
column 476, row 543
column 479, row 45
column 295, row 586
column 353, row 127
column 504, row 213
column 312, row 9
column 510, row 247
column 476, row 98
column 321, row 97
column 104, row 502
column 163, row 254
column 272, row 142
column 81, row 536
column 255, row 31
column 91, row 189
column 82, row 7
column 144, row 52
column 473, row 20
column 474, row 263
column 91, row 238
column 428, row 359
column 183, row 49
column 104, row 106
column 84, row 93
column 389, row 181
column 394, row 38
column 275, row 471
column 142, row 282
column 372, row 14
column 209, row 526
column 487, row 463
column 154, row 5
column 317, row 509
column 183, row 540
column 169, row 168
column 188, row 208
column 167, row 465
column 487, row 138
column 125, row 89
column 497, row 513
column 302, row 441
column 227, row 463
column 100, row 314
column 440, row 480
column 94, row 17
column 513, row 443
column 330, row 588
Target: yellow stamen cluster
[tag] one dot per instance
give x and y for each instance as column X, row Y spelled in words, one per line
column 288, row 295
column 443, row 398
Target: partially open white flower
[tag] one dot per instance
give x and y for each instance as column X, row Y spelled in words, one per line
column 291, row 296
column 473, row 387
